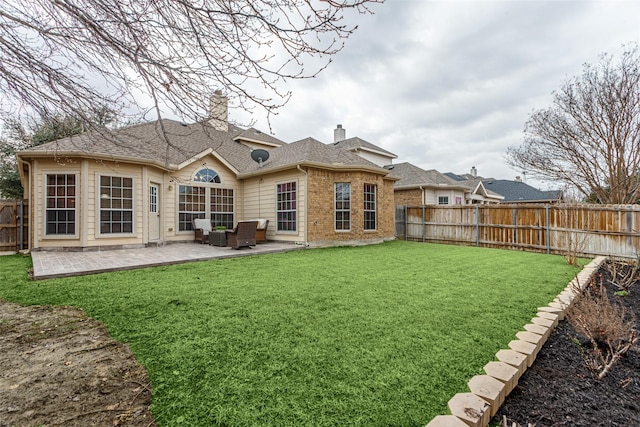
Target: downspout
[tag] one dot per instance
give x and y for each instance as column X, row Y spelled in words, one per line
column 306, row 204
column 30, row 206
column 424, row 202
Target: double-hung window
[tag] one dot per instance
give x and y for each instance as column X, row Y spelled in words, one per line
column 60, row 210
column 286, row 206
column 342, row 206
column 116, row 205
column 370, row 194
column 191, row 204
column 443, row 200
column 221, row 207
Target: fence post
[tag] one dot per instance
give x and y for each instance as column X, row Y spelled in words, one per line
column 548, row 228
column 424, row 226
column 21, row 225
column 514, row 215
column 406, row 224
column 477, row 225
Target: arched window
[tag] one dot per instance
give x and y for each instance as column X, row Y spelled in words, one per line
column 207, row 175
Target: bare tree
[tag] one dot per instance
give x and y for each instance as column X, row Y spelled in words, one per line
column 74, row 56
column 590, row 137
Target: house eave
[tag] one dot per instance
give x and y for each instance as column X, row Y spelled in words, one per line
column 381, row 153
column 256, row 141
column 25, row 155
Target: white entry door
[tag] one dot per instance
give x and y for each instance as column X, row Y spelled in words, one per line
column 154, row 212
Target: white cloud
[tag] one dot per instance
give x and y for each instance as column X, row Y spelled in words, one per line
column 449, row 85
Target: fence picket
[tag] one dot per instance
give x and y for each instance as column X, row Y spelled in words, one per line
column 590, row 230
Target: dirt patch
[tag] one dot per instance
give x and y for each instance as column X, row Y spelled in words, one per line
column 59, row 367
column 558, row 389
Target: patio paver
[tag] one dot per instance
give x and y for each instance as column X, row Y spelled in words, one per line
column 51, row 264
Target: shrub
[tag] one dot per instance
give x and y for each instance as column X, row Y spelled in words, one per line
column 624, row 275
column 607, row 325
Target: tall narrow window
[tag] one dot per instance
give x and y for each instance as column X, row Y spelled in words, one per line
column 222, row 207
column 286, row 206
column 343, row 206
column 370, row 193
column 116, row 205
column 153, row 199
column 60, row 211
column 191, row 204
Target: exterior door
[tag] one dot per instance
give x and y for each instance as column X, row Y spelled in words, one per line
column 154, row 212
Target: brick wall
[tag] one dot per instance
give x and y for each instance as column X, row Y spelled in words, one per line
column 320, row 210
column 411, row 197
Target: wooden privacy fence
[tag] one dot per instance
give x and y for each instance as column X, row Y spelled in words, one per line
column 589, row 230
column 13, row 225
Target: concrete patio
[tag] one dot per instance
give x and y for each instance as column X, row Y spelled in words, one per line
column 51, row 264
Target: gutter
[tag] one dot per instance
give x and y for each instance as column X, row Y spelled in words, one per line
column 306, row 204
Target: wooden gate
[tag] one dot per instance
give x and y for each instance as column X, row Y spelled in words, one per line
column 13, row 225
column 401, row 222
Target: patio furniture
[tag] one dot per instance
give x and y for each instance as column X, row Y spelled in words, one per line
column 261, row 231
column 202, row 228
column 243, row 235
column 218, row 238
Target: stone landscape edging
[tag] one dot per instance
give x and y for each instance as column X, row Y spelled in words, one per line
column 488, row 392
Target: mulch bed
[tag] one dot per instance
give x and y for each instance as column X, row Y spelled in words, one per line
column 559, row 390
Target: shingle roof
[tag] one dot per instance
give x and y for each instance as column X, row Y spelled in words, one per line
column 165, row 142
column 411, row 175
column 515, row 191
column 359, row 143
column 312, row 151
column 170, row 144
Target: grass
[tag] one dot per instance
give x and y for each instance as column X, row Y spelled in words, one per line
column 367, row 336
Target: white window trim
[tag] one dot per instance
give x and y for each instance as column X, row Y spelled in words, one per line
column 375, row 209
column 46, row 236
column 288, row 232
column 98, row 233
column 207, row 204
column 335, row 211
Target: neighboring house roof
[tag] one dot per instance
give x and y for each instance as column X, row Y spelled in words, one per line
column 355, row 144
column 517, row 191
column 172, row 145
column 412, row 176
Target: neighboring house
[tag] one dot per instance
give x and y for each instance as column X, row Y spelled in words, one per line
column 509, row 191
column 520, row 192
column 417, row 186
column 143, row 185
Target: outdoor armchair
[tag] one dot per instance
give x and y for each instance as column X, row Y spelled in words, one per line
column 243, row 235
column 261, row 231
column 202, row 228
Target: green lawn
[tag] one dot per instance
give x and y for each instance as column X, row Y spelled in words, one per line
column 380, row 335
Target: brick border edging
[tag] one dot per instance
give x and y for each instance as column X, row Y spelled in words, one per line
column 488, row 392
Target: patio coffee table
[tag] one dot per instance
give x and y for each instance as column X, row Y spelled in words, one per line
column 218, row 238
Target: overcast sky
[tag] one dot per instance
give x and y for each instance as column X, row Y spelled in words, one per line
column 448, row 85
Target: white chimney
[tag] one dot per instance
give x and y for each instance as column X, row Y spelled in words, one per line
column 218, row 111
column 518, row 179
column 339, row 134
column 474, row 171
